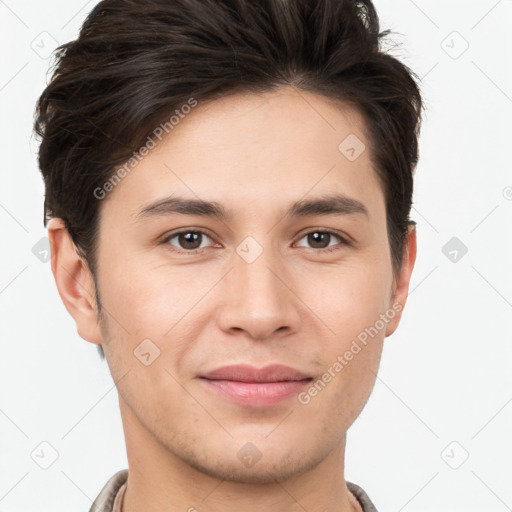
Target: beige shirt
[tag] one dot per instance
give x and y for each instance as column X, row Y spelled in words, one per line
column 110, row 499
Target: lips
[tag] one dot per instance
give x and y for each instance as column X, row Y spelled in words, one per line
column 247, row 373
column 250, row 386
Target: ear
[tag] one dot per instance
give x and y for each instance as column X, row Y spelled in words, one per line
column 74, row 281
column 402, row 280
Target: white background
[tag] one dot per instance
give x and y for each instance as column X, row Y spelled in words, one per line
column 446, row 374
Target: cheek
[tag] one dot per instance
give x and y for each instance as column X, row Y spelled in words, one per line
column 169, row 306
column 347, row 298
column 149, row 301
column 351, row 305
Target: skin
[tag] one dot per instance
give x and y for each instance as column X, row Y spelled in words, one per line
column 295, row 304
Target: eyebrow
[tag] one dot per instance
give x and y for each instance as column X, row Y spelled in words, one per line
column 333, row 204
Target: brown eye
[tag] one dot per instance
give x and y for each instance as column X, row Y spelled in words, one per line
column 322, row 240
column 187, row 240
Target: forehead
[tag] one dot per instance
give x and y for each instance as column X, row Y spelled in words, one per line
column 256, row 151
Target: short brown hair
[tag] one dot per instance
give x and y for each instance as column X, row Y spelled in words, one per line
column 136, row 61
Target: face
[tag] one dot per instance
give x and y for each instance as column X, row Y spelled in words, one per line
column 279, row 278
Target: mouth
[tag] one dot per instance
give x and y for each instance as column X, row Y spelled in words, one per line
column 247, row 385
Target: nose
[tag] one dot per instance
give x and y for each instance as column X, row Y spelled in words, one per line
column 259, row 298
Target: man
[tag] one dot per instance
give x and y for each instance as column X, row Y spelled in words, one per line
column 228, row 188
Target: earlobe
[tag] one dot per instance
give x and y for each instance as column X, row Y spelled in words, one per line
column 74, row 281
column 402, row 281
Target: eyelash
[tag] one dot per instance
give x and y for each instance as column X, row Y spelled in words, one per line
column 337, row 247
